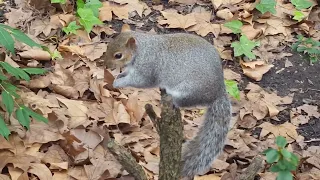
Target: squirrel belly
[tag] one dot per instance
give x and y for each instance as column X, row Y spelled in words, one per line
column 189, row 69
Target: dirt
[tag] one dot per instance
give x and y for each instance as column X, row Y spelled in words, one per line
column 302, row 79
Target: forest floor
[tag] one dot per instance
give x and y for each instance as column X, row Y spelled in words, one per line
column 279, row 89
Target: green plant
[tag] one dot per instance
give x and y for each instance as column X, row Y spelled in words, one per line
column 234, row 25
column 232, row 88
column 244, row 46
column 298, row 15
column 309, row 47
column 282, row 161
column 88, row 16
column 267, row 6
column 59, row 1
column 71, row 28
column 8, row 90
column 301, row 4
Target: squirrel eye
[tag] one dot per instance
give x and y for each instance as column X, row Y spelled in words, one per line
column 118, row 55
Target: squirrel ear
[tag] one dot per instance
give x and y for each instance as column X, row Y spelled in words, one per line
column 131, row 43
column 125, row 28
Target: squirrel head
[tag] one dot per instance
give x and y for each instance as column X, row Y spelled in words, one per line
column 121, row 49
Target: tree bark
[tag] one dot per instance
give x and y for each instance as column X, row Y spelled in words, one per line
column 170, row 129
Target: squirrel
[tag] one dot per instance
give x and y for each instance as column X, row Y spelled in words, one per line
column 189, row 69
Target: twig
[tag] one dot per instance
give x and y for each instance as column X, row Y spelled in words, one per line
column 170, row 129
column 124, row 157
column 252, row 170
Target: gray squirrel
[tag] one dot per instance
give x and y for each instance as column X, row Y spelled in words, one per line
column 189, row 69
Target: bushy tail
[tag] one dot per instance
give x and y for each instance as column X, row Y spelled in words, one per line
column 200, row 152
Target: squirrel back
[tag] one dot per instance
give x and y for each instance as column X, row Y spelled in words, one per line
column 189, row 69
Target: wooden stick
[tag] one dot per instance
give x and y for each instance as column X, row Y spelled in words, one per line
column 170, row 129
column 252, row 170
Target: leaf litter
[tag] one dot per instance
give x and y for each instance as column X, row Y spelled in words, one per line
column 74, row 97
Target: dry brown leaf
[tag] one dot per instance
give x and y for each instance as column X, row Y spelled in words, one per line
column 225, row 14
column 78, row 172
column 208, row 177
column 42, row 133
column 94, row 51
column 38, row 82
column 56, row 157
column 16, row 173
column 5, row 177
column 175, row 20
column 247, row 121
column 17, row 17
column 41, row 171
column 135, row 5
column 220, row 165
column 251, row 32
column 203, row 25
column 37, row 54
column 187, row 2
column 218, row 3
column 286, row 130
column 39, row 26
column 231, row 75
column 134, row 108
column 77, row 112
column 297, row 116
column 261, row 103
column 255, row 69
column 73, row 49
column 57, row 175
column 121, row 11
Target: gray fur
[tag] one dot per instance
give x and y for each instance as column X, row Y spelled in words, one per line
column 189, row 69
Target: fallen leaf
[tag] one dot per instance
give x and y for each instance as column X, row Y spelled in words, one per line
column 176, row 20
column 255, row 69
column 286, row 130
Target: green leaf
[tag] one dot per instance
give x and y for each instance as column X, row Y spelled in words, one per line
column 289, row 166
column 232, row 88
column 34, row 70
column 34, row 115
column 298, row 15
column 11, row 70
column 59, row 1
column 234, row 25
column 282, row 164
column 94, row 5
column 267, row 6
column 24, row 120
column 71, row 28
column 20, row 36
column 87, row 19
column 267, row 150
column 244, row 46
column 281, row 141
column 285, row 153
column 80, row 4
column 284, row 175
column 3, row 78
column 23, row 74
column 56, row 55
column 275, row 168
column 4, row 131
column 10, row 88
column 6, row 39
column 272, row 156
column 7, row 101
column 301, row 4
column 294, row 159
